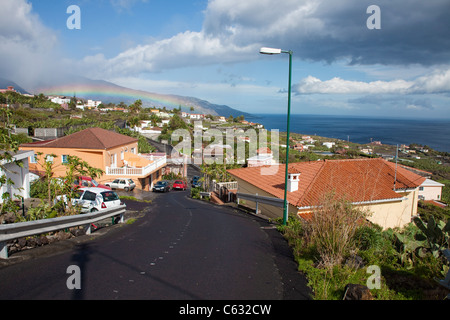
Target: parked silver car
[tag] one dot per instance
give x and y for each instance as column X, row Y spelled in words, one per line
column 124, row 184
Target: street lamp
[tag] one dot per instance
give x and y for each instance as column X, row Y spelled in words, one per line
column 272, row 51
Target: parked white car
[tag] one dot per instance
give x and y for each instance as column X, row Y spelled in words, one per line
column 125, row 184
column 96, row 199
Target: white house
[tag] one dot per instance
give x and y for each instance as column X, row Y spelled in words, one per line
column 196, row 116
column 92, row 104
column 19, row 175
column 60, row 100
column 260, row 160
column 329, row 145
column 430, row 190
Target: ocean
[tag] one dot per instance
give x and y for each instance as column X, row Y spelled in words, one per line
column 433, row 133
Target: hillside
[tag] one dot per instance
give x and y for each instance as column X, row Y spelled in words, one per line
column 4, row 83
column 109, row 92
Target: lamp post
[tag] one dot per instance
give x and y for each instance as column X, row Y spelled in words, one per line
column 272, row 51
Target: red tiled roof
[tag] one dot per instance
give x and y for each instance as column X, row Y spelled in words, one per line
column 358, row 180
column 265, row 150
column 91, row 138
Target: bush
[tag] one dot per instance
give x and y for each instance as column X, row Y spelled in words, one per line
column 369, row 237
column 331, row 229
column 195, row 193
column 407, row 257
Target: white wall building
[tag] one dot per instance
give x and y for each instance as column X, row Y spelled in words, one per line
column 19, row 175
column 430, row 190
column 60, row 100
column 92, row 104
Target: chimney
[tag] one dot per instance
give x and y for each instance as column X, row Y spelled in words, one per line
column 293, row 180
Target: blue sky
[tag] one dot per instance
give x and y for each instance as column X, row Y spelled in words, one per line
column 210, row 50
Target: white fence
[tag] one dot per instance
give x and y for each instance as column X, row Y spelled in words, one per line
column 125, row 171
column 25, row 229
column 233, row 185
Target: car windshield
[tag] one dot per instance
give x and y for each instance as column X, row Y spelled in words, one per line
column 110, row 196
column 130, row 181
column 160, row 183
column 179, row 182
column 95, row 183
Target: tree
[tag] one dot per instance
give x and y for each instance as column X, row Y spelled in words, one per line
column 136, row 107
column 177, row 123
column 46, row 162
column 133, row 122
column 73, row 103
column 9, row 147
column 76, row 167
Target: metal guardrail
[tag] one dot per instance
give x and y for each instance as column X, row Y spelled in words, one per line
column 30, row 228
column 260, row 199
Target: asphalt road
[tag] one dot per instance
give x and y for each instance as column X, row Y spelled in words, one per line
column 178, row 249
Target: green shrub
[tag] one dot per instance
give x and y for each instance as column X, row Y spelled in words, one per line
column 331, row 229
column 195, row 193
column 405, row 274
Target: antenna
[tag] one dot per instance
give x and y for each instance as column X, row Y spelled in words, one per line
column 396, row 164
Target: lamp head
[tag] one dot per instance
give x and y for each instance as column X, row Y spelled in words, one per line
column 265, row 50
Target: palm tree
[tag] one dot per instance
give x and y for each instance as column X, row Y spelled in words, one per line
column 136, row 107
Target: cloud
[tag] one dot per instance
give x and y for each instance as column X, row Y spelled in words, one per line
column 391, row 102
column 433, row 83
column 27, row 51
column 338, row 85
column 316, row 30
column 324, row 31
column 184, row 49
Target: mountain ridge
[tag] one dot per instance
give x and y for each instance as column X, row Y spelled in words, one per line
column 5, row 83
column 109, row 92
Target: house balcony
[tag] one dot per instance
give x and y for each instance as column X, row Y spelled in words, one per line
column 155, row 163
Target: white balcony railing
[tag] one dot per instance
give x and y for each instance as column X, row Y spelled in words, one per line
column 144, row 171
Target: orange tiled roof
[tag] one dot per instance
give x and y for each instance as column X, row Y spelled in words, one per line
column 265, row 150
column 358, row 180
column 91, row 138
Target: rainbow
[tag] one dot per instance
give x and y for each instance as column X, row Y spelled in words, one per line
column 115, row 94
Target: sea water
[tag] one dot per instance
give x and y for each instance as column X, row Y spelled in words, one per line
column 434, row 133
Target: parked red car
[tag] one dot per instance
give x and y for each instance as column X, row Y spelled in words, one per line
column 88, row 182
column 179, row 185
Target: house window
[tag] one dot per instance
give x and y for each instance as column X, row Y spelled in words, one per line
column 64, row 158
column 121, row 155
column 420, row 188
column 33, row 158
column 113, row 160
column 132, row 150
